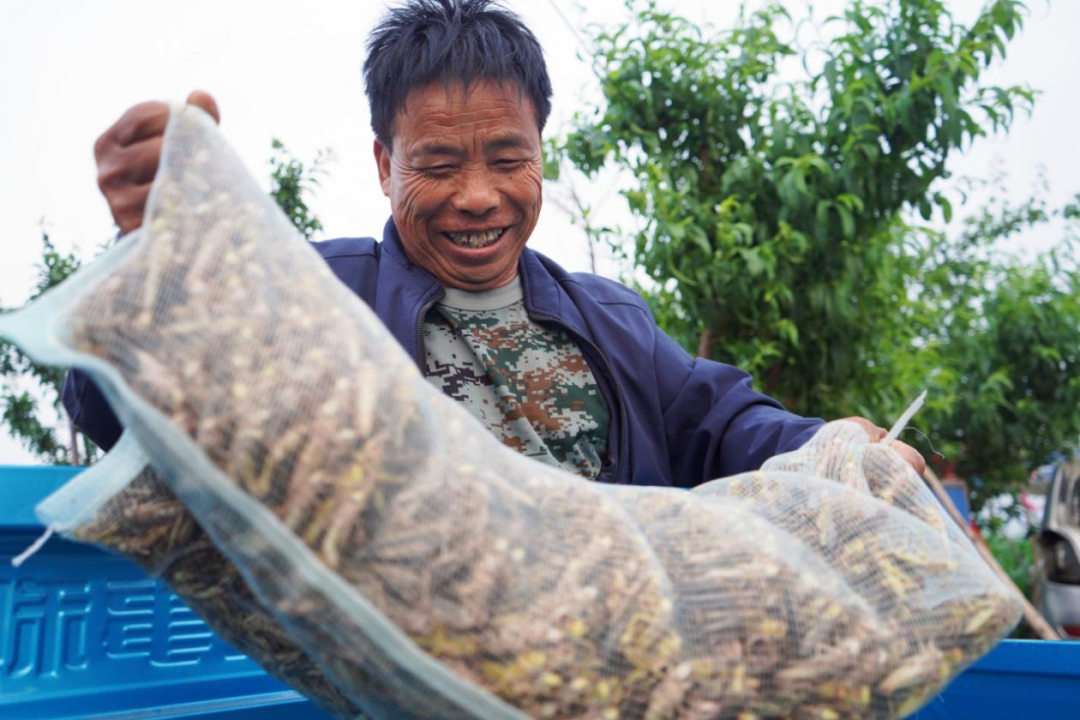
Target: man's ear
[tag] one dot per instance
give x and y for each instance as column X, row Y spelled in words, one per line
column 382, row 159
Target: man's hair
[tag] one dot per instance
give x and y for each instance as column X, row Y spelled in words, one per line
column 448, row 41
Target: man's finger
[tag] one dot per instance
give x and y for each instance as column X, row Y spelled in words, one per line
column 143, row 160
column 204, row 100
column 874, row 432
column 911, row 456
column 129, row 206
column 135, row 164
column 143, row 121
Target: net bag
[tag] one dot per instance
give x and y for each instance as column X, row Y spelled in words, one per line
column 120, row 504
column 364, row 538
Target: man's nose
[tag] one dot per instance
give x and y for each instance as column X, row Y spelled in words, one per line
column 476, row 193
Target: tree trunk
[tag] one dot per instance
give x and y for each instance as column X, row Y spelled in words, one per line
column 705, row 343
column 592, row 251
column 74, row 457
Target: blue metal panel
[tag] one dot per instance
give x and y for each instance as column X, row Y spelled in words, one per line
column 22, row 488
column 1019, row 679
column 86, row 634
column 959, row 496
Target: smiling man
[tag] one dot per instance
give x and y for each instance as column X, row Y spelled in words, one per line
column 567, row 368
column 464, row 175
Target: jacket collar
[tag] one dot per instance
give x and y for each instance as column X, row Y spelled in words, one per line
column 402, row 292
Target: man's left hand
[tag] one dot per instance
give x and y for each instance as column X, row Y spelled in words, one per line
column 912, row 456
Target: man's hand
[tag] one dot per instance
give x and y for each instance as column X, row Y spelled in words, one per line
column 128, row 154
column 910, row 454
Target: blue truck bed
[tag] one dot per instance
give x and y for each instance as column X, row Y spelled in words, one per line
column 86, row 634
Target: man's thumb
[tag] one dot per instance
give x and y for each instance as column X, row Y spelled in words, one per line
column 206, row 102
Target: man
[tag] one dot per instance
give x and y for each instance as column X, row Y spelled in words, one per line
column 570, row 369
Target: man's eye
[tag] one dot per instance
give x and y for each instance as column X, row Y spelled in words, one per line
column 508, row 163
column 438, row 170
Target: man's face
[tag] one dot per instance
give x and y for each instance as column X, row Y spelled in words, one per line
column 464, row 181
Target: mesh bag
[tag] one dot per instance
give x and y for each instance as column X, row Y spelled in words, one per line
column 371, row 543
column 120, row 504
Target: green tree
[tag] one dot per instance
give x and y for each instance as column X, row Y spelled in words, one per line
column 771, row 208
column 30, row 394
column 777, row 220
column 1002, row 337
column 23, row 382
column 291, row 181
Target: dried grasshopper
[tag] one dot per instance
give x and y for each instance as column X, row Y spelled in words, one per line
column 147, row 523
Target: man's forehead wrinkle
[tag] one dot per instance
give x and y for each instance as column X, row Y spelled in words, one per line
column 453, row 137
column 452, row 121
column 440, row 114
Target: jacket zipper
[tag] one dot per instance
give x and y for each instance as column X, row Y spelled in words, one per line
column 612, row 379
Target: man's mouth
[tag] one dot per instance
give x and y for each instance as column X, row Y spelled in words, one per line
column 476, row 239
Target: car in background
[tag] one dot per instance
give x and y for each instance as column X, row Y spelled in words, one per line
column 1059, row 551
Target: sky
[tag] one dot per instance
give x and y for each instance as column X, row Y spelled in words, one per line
column 69, row 68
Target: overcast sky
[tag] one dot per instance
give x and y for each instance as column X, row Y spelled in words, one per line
column 68, row 69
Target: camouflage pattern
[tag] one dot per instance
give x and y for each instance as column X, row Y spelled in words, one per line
column 529, row 385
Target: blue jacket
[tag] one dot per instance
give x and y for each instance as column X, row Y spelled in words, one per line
column 675, row 419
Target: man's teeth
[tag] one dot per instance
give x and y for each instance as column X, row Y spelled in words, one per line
column 475, row 240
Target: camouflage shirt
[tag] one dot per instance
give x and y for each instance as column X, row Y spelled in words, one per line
column 528, row 384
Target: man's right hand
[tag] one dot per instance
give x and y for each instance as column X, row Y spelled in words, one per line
column 128, row 154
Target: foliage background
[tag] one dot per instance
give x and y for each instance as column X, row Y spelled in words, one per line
column 784, row 222
column 48, row 144
column 296, row 76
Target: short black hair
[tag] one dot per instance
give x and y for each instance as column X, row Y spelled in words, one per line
column 425, row 41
